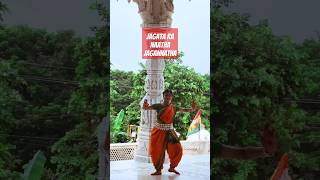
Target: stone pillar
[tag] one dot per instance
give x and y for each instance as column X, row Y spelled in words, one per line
column 155, row 14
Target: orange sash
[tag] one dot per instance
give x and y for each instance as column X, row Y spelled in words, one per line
column 168, row 114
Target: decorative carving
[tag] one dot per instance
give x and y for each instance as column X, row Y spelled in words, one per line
column 160, row 84
column 142, row 5
column 143, row 118
column 155, row 11
column 169, row 5
column 149, row 84
column 154, row 85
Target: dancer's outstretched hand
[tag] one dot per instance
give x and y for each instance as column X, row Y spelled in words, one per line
column 145, row 104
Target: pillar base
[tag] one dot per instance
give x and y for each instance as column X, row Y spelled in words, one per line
column 140, row 158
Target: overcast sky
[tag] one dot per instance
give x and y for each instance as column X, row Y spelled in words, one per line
column 57, row 15
column 52, row 15
column 295, row 18
column 192, row 18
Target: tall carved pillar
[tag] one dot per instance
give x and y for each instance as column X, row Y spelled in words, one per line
column 155, row 14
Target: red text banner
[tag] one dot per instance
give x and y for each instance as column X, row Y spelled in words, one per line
column 160, row 43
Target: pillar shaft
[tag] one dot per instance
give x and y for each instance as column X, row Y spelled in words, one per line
column 155, row 14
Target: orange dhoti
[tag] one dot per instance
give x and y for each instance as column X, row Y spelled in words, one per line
column 165, row 139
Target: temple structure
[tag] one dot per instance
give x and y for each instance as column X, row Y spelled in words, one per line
column 155, row 14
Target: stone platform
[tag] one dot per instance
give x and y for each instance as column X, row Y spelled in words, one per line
column 191, row 167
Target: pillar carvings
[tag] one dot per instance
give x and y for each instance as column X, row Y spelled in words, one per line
column 155, row 14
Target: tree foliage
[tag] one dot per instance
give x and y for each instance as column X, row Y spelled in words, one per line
column 259, row 78
column 3, row 8
column 7, row 163
column 220, row 3
column 34, row 169
column 76, row 155
column 185, row 83
column 54, row 89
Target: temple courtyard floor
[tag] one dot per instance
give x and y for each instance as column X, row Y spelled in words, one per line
column 191, row 167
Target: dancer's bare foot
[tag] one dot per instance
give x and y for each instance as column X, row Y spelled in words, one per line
column 156, row 173
column 173, row 170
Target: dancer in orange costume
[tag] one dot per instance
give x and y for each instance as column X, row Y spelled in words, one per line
column 163, row 137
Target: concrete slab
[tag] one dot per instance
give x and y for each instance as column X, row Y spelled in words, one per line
column 191, row 167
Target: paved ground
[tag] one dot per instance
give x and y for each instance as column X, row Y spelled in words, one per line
column 191, row 167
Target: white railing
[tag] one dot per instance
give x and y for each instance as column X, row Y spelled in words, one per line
column 122, row 151
column 196, row 147
column 126, row 151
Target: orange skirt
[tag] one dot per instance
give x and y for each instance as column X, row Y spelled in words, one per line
column 161, row 140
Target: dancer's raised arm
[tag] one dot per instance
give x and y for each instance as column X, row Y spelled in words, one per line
column 193, row 108
column 146, row 105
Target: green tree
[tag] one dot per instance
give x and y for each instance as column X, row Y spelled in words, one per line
column 120, row 90
column 186, row 85
column 256, row 78
column 50, row 84
column 219, row 3
column 3, row 8
column 75, row 155
column 7, row 163
column 33, row 64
